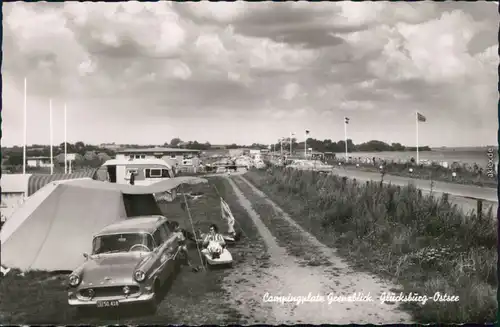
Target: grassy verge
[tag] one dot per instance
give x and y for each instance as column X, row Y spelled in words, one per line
column 193, row 298
column 426, row 244
column 436, row 173
column 286, row 235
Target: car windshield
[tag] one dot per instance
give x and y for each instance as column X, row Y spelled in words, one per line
column 122, row 243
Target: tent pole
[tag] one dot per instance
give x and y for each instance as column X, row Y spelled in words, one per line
column 192, row 226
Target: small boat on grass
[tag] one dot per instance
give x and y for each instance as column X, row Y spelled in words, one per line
column 223, row 259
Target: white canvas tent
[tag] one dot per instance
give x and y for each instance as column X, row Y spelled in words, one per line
column 55, row 226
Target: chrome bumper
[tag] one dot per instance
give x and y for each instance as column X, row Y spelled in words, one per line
column 122, row 300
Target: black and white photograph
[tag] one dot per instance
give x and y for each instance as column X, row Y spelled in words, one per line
column 242, row 163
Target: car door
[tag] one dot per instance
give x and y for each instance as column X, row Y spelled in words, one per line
column 171, row 249
column 160, row 255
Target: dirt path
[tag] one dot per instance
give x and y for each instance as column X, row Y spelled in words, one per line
column 286, row 277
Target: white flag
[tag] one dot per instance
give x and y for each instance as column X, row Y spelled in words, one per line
column 227, row 215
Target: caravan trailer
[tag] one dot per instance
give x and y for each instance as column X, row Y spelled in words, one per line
column 146, row 171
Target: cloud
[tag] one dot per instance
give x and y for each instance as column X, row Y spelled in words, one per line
column 290, row 91
column 415, row 51
column 251, row 63
column 222, row 12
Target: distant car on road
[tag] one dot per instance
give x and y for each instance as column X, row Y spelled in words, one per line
column 310, row 165
column 130, row 262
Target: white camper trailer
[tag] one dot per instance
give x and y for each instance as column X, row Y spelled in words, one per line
column 145, row 171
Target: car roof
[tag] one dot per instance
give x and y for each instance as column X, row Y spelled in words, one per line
column 142, row 224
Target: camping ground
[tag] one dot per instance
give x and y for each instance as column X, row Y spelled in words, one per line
column 234, row 296
column 279, row 254
column 193, row 298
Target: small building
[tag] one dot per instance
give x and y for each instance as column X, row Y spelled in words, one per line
column 110, row 146
column 18, row 187
column 255, row 154
column 38, row 162
column 14, row 192
column 329, row 155
column 175, row 157
column 315, row 155
column 36, row 148
column 218, row 147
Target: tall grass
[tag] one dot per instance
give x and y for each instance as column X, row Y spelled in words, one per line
column 425, row 243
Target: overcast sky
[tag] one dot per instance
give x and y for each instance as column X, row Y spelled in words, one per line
column 251, row 72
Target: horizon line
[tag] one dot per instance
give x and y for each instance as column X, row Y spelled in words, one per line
column 245, row 145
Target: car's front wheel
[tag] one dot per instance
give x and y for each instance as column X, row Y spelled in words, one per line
column 82, row 311
column 151, row 306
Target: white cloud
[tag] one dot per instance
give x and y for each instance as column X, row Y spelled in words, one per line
column 367, row 84
column 356, row 105
column 211, row 45
column 178, row 69
column 86, row 67
column 225, row 12
column 290, row 91
column 357, row 13
column 489, row 59
column 435, row 50
column 269, row 55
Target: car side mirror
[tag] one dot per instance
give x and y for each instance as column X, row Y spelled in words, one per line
column 86, row 255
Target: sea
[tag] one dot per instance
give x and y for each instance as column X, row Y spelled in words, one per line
column 469, row 155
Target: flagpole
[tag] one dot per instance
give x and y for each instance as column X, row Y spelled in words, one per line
column 25, row 119
column 305, row 147
column 291, row 143
column 416, row 117
column 51, row 138
column 345, row 137
column 281, row 144
column 65, row 140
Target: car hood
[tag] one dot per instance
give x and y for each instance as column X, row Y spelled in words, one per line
column 111, row 269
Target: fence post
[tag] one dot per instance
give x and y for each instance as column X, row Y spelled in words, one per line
column 479, row 209
column 445, row 197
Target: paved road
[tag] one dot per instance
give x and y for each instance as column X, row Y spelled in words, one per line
column 458, row 193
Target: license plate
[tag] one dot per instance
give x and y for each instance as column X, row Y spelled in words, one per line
column 107, row 304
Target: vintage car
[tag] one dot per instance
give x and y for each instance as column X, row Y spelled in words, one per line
column 129, row 263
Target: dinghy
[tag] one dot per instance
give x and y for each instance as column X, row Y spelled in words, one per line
column 232, row 238
column 224, row 259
